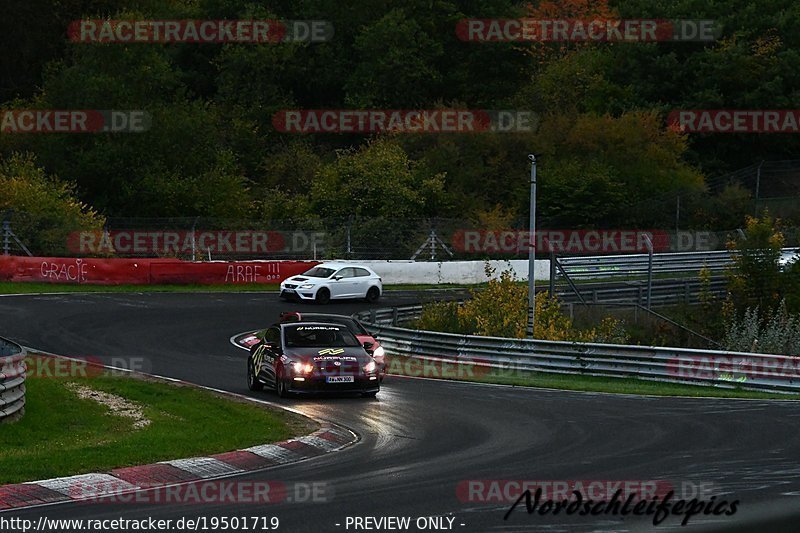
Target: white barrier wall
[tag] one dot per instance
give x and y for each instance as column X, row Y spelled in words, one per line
column 397, row 272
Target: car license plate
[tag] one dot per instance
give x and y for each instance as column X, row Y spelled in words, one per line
column 340, row 379
column 288, row 290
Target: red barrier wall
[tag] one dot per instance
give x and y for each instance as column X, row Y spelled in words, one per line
column 146, row 271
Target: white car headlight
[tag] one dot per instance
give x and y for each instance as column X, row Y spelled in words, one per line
column 303, row 368
column 307, row 286
column 379, row 352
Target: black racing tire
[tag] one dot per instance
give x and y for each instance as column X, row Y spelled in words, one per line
column 369, row 394
column 373, row 294
column 323, row 296
column 280, row 386
column 252, row 383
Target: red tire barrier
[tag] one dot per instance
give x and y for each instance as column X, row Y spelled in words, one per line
column 146, row 271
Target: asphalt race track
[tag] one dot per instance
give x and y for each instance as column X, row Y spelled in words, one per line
column 421, row 439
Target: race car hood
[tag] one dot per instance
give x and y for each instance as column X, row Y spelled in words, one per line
column 316, row 355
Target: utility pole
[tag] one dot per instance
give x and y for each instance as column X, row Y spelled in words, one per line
column 532, row 251
column 758, row 186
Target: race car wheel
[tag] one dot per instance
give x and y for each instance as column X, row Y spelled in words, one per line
column 323, row 296
column 369, row 394
column 252, row 383
column 373, row 294
column 280, row 386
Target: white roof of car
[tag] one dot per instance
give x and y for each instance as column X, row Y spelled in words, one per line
column 341, row 265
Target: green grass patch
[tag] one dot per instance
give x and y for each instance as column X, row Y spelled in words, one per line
column 62, row 434
column 403, row 366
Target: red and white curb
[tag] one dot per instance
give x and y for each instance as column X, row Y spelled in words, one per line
column 96, row 486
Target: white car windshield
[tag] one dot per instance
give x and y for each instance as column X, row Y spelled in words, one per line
column 319, row 272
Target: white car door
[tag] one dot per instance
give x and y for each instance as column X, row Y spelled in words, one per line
column 351, row 282
column 343, row 286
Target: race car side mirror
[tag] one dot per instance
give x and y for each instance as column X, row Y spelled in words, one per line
column 368, row 345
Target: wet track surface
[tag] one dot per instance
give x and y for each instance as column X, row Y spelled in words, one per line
column 422, row 439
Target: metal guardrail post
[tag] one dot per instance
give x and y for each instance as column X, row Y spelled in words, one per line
column 394, row 316
column 569, row 281
column 649, row 269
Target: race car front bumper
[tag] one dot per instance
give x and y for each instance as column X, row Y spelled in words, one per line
column 298, row 294
column 319, row 384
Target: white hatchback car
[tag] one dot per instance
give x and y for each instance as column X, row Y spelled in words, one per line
column 333, row 281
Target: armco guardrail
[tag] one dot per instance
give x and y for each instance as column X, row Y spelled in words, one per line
column 605, row 266
column 664, row 292
column 676, row 365
column 12, row 380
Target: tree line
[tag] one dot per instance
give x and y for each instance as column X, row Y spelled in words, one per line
column 608, row 157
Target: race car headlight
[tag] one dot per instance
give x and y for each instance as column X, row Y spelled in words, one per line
column 379, row 352
column 369, row 368
column 302, row 368
column 307, row 286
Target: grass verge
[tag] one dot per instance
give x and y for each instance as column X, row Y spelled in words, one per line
column 414, row 367
column 62, row 435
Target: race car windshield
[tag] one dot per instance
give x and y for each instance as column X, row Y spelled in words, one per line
column 318, row 336
column 319, row 272
column 354, row 326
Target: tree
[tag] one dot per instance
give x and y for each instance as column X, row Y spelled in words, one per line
column 375, row 180
column 44, row 209
column 620, row 166
column 755, row 278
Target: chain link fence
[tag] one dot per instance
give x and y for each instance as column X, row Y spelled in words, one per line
column 204, row 239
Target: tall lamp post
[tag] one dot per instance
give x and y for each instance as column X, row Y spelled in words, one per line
column 532, row 250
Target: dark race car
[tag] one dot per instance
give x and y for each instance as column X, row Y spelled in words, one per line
column 308, row 357
column 374, row 347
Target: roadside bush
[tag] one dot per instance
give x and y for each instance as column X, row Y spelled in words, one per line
column 501, row 310
column 439, row 316
column 755, row 279
column 774, row 332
